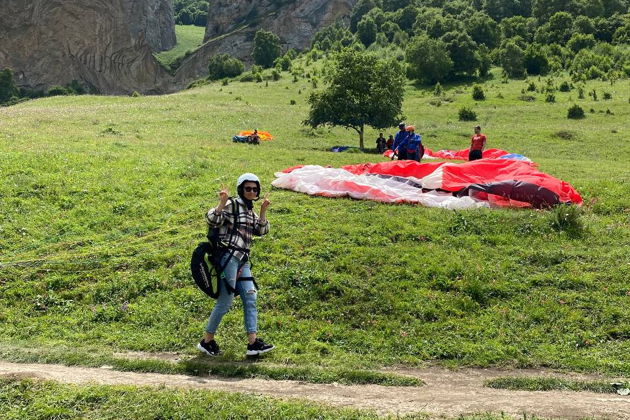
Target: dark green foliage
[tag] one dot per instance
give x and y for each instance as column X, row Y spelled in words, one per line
column 361, row 9
column 467, row 114
column 581, row 41
column 519, row 26
column 564, row 87
column 266, row 48
column 484, row 30
column 622, row 34
column 366, row 31
column 283, row 63
column 191, row 12
column 550, row 98
column 535, row 60
column 512, row 58
column 478, row 94
column 557, row 30
column 463, row 52
column 354, row 96
column 575, row 112
column 8, row 90
column 58, row 91
column 428, row 60
column 607, row 96
column 437, row 90
column 224, row 65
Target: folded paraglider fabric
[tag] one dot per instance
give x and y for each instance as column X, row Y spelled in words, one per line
column 481, row 183
column 264, row 136
column 463, row 154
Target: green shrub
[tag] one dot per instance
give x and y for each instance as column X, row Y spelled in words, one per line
column 551, row 98
column 58, row 91
column 478, row 94
column 607, row 96
column 135, row 94
column 292, row 102
column 248, row 77
column 224, row 65
column 564, row 87
column 8, row 89
column 275, row 75
column 531, row 87
column 467, row 114
column 575, row 112
column 438, row 91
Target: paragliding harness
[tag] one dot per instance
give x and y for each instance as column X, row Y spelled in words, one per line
column 206, row 262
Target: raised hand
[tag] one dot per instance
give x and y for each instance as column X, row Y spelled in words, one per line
column 224, row 195
column 265, row 203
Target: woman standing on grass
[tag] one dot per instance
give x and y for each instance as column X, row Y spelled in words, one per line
column 237, row 223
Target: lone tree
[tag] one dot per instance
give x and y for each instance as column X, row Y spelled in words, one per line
column 362, row 90
column 266, row 48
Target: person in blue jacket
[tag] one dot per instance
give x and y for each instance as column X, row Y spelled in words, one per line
column 415, row 149
column 400, row 142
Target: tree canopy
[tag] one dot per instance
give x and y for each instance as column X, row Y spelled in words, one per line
column 362, row 90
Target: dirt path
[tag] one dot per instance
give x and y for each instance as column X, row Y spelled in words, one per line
column 446, row 394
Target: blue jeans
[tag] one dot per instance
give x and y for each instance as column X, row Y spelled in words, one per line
column 245, row 289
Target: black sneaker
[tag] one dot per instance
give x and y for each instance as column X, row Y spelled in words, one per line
column 211, row 348
column 258, row 347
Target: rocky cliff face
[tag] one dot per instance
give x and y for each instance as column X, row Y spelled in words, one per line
column 294, row 21
column 154, row 20
column 52, row 42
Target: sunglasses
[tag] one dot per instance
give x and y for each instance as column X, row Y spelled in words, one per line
column 251, row 189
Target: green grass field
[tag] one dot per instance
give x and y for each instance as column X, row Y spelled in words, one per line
column 189, row 37
column 103, row 198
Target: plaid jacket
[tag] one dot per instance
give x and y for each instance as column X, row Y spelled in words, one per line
column 249, row 224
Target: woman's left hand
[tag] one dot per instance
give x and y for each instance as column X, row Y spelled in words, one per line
column 265, row 203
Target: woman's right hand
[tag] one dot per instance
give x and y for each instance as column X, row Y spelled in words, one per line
column 224, row 195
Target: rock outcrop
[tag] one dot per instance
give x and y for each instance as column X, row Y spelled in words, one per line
column 53, row 42
column 232, row 25
column 154, row 20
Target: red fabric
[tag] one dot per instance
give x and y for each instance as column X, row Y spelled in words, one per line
column 404, row 168
column 477, row 142
column 292, row 168
column 485, row 171
column 463, row 154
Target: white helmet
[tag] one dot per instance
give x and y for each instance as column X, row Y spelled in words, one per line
column 247, row 177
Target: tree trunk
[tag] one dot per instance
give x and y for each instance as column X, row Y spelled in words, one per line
column 361, row 146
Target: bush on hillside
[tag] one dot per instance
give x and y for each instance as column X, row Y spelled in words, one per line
column 266, row 48
column 8, row 89
column 478, row 94
column 467, row 114
column 575, row 112
column 224, row 65
column 58, row 91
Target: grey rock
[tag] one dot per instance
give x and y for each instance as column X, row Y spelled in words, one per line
column 232, row 25
column 52, row 42
column 154, row 20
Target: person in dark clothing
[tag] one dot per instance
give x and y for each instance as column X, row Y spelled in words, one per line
column 415, row 150
column 380, row 144
column 400, row 142
column 390, row 143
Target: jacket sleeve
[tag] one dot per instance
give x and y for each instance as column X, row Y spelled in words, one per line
column 260, row 228
column 215, row 219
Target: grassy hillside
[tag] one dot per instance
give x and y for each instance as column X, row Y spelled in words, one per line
column 189, row 37
column 103, row 201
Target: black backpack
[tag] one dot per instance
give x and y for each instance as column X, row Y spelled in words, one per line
column 205, row 264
